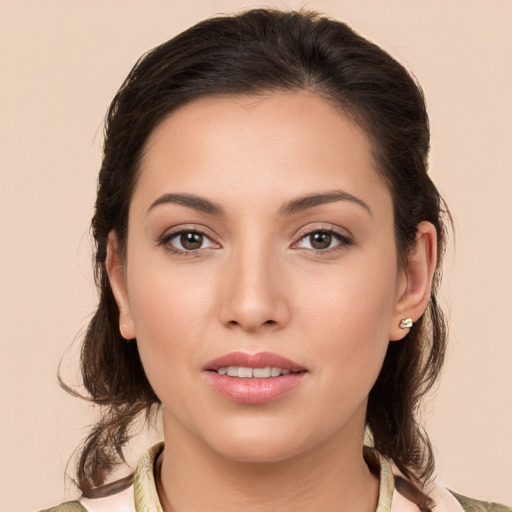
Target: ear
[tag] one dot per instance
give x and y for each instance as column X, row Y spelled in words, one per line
column 415, row 282
column 117, row 278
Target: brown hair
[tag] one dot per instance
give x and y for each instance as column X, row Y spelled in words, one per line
column 255, row 52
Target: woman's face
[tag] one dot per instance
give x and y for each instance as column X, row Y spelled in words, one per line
column 260, row 233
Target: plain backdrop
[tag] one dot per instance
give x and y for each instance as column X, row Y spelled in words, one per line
column 61, row 63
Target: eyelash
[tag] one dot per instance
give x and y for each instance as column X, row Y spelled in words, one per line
column 343, row 239
column 165, row 241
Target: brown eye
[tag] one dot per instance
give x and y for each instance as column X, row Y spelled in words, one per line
column 320, row 240
column 323, row 240
column 191, row 241
column 187, row 241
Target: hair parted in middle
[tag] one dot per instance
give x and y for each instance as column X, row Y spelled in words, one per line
column 259, row 52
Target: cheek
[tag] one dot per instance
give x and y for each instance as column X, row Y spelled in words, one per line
column 348, row 314
column 171, row 309
column 356, row 298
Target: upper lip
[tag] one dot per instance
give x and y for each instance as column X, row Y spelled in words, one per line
column 258, row 360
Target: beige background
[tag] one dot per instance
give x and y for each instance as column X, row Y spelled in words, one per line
column 62, row 61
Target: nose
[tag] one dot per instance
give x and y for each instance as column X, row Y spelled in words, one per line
column 253, row 297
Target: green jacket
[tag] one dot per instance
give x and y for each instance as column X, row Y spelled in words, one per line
column 470, row 505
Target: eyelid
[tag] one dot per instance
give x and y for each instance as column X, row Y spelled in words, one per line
column 344, row 237
column 194, row 228
column 169, row 234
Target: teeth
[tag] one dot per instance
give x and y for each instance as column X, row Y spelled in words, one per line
column 232, row 371
column 261, row 373
column 245, row 373
column 249, row 373
column 275, row 372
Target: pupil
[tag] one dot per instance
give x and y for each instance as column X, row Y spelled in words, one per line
column 321, row 240
column 191, row 241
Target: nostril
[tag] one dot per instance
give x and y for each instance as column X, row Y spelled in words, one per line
column 236, row 323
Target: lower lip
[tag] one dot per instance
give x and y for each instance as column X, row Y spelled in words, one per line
column 254, row 391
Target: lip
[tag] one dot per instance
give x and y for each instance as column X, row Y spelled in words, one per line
column 258, row 360
column 254, row 391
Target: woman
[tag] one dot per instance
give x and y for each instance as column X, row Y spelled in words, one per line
column 268, row 253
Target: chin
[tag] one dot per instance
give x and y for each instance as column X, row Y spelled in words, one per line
column 258, row 452
column 257, row 442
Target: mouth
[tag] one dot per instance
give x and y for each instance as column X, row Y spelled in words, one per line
column 244, row 372
column 254, row 378
column 261, row 362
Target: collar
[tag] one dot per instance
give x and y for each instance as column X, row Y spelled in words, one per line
column 144, row 495
column 144, row 485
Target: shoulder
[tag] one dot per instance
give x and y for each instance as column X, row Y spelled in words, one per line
column 444, row 499
column 134, row 492
column 113, row 497
column 69, row 506
column 121, row 501
column 471, row 505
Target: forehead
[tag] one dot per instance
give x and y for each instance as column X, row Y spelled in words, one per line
column 265, row 146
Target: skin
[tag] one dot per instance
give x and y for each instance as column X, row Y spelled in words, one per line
column 256, row 283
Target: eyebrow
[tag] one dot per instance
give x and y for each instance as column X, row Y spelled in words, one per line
column 294, row 206
column 309, row 201
column 190, row 201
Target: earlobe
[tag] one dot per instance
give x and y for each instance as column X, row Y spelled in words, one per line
column 414, row 294
column 117, row 278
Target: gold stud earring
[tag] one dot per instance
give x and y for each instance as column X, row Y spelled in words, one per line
column 406, row 323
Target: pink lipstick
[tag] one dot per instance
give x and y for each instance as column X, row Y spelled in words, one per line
column 254, row 378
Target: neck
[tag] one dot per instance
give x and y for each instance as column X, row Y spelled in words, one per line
column 331, row 476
